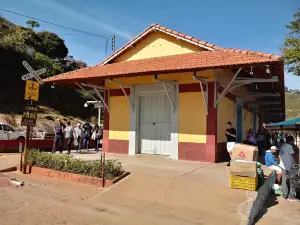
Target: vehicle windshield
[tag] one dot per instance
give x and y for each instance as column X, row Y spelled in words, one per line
column 7, row 128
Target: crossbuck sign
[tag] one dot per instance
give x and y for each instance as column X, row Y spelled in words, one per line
column 32, row 73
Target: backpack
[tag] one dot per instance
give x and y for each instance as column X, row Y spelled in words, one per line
column 294, row 175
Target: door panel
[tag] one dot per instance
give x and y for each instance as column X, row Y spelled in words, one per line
column 148, row 118
column 163, row 125
column 155, row 120
column 147, row 141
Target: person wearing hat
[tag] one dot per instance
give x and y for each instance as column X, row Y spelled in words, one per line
column 271, row 162
column 78, row 136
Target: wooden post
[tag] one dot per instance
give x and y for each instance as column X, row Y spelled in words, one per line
column 26, row 150
column 21, row 160
column 103, row 168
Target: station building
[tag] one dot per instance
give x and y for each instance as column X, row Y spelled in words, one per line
column 168, row 93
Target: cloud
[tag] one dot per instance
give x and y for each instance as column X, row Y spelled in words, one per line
column 292, row 81
column 81, row 17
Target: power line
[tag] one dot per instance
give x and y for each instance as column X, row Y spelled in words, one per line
column 58, row 25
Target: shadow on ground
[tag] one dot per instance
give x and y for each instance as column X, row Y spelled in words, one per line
column 272, row 201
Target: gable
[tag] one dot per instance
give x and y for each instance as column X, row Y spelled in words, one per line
column 157, row 44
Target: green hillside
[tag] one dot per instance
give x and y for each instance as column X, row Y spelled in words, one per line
column 41, row 49
column 292, row 104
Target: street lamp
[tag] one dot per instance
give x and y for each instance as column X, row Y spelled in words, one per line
column 98, row 105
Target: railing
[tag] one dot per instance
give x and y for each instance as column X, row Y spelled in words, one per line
column 12, row 146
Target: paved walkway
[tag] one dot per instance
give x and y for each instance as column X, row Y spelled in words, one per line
column 281, row 212
column 158, row 191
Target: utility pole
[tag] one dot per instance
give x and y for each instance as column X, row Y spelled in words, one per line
column 113, row 43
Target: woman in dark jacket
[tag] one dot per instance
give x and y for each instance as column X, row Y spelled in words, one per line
column 87, row 133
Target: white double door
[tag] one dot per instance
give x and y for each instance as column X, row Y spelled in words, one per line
column 155, row 124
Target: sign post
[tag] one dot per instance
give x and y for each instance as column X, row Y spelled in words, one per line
column 31, row 98
column 98, row 105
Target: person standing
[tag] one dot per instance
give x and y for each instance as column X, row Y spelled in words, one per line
column 87, row 133
column 260, row 139
column 231, row 137
column 268, row 138
column 286, row 162
column 69, row 136
column 275, row 139
column 250, row 137
column 96, row 137
column 78, row 136
column 58, row 137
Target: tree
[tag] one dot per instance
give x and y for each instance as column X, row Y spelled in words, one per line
column 52, row 45
column 292, row 45
column 286, row 89
column 42, row 61
column 20, row 38
column 32, row 24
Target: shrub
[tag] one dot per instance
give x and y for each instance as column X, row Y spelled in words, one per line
column 66, row 163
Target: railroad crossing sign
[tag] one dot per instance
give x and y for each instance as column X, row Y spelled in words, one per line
column 29, row 116
column 32, row 73
column 31, row 90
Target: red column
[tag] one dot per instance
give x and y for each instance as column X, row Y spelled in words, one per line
column 211, row 126
column 105, row 140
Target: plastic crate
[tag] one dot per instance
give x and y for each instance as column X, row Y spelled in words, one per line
column 246, row 183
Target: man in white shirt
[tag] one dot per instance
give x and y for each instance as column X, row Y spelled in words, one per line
column 286, row 163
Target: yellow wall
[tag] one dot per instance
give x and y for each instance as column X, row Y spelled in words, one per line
column 192, row 118
column 226, row 112
column 157, row 44
column 119, row 119
column 182, row 78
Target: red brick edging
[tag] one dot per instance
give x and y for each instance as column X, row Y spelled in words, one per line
column 76, row 177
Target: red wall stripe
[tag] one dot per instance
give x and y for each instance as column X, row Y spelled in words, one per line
column 119, row 92
column 211, row 126
column 190, row 88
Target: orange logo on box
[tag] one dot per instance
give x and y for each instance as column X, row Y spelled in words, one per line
column 242, row 155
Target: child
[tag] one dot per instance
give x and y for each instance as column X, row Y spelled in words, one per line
column 271, row 162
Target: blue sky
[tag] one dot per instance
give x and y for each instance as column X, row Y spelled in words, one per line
column 257, row 24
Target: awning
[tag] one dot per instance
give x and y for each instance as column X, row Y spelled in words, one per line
column 198, row 61
column 288, row 124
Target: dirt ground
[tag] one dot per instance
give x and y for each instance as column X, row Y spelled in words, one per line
column 48, row 201
column 158, row 191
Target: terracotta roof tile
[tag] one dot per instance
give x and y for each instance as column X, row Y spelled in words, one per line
column 184, row 62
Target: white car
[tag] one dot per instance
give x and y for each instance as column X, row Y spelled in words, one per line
column 8, row 133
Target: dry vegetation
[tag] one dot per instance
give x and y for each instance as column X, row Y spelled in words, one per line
column 292, row 104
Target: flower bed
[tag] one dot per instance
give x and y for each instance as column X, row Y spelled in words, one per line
column 68, row 168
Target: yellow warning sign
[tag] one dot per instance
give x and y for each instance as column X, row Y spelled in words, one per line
column 32, row 90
